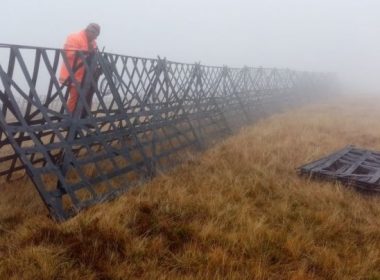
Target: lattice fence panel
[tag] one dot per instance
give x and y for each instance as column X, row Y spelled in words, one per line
column 134, row 116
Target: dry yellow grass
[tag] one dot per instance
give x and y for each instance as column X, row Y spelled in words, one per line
column 239, row 211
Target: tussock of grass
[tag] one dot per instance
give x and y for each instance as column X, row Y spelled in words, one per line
column 239, row 211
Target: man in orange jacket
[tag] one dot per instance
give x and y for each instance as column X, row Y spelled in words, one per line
column 83, row 40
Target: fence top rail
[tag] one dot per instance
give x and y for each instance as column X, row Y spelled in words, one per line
column 249, row 68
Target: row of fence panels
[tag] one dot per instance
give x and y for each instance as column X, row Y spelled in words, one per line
column 133, row 116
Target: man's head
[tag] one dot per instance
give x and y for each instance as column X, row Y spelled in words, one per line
column 92, row 31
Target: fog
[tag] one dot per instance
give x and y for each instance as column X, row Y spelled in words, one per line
column 340, row 36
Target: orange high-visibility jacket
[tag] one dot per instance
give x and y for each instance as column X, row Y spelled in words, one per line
column 75, row 42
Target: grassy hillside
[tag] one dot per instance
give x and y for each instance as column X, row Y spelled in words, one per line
column 239, row 211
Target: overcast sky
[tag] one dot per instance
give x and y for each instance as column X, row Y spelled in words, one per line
column 340, row 36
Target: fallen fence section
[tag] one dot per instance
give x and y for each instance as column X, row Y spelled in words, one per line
column 134, row 115
column 357, row 167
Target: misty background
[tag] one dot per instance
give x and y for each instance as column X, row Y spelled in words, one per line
column 340, row 36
